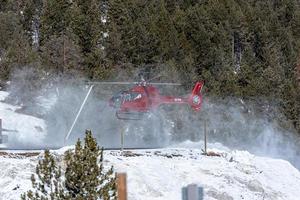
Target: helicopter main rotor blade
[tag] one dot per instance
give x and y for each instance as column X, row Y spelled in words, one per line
column 175, row 84
column 111, row 83
column 129, row 83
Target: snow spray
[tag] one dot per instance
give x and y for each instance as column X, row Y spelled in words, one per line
column 234, row 123
column 249, row 126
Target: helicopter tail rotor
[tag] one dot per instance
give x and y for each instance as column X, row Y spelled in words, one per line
column 195, row 99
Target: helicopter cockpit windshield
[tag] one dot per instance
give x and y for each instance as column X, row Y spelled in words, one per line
column 116, row 100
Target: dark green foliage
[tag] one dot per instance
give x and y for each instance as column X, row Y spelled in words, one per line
column 15, row 50
column 242, row 48
column 61, row 55
column 47, row 183
column 84, row 175
column 10, row 24
column 55, row 19
column 31, row 19
column 86, row 24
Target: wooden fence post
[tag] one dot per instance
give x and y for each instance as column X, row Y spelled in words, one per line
column 122, row 186
column 122, row 138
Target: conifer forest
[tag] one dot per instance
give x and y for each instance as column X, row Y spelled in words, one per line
column 242, row 48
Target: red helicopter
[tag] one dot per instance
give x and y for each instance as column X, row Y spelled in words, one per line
column 144, row 97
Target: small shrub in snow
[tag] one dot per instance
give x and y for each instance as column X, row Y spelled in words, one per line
column 84, row 176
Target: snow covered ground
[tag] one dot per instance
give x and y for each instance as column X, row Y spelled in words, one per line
column 24, row 130
column 160, row 174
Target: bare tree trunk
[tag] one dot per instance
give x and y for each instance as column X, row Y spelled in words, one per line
column 64, row 54
column 298, row 70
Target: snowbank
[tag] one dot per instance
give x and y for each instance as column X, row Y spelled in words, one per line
column 15, row 177
column 160, row 174
column 24, row 130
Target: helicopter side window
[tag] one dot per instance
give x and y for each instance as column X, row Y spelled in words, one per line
column 138, row 96
column 127, row 97
column 132, row 96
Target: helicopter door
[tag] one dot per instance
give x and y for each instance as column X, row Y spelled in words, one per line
column 135, row 101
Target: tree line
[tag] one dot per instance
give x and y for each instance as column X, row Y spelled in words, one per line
column 242, row 48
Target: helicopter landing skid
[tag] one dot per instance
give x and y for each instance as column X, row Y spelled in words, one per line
column 131, row 115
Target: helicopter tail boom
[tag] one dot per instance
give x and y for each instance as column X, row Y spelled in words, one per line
column 194, row 99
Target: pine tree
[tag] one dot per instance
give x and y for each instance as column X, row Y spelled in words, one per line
column 15, row 51
column 84, row 176
column 86, row 24
column 47, row 183
column 167, row 33
column 9, row 25
column 120, row 30
column 55, row 19
column 61, row 55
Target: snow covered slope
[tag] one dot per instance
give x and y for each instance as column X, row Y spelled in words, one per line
column 25, row 130
column 160, row 174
